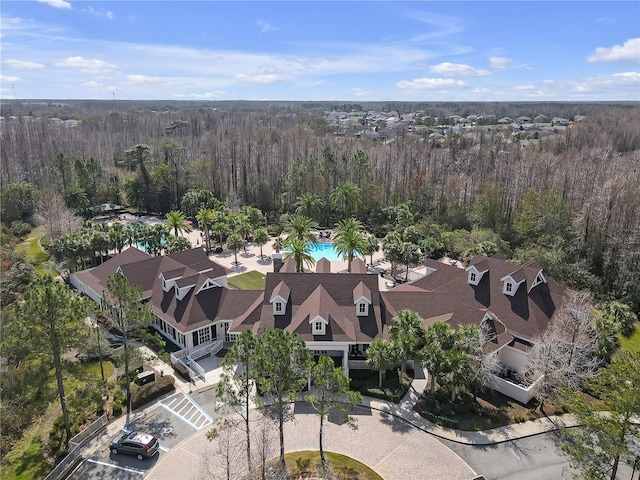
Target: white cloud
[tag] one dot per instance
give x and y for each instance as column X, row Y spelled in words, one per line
column 265, row 26
column 481, row 90
column 500, row 62
column 259, row 78
column 522, row 88
column 150, row 80
column 206, row 95
column 56, row 3
column 23, row 64
column 9, row 78
column 86, row 65
column 312, row 83
column 458, row 70
column 606, row 20
column 102, row 12
column 422, row 83
column 99, row 86
column 629, row 51
column 361, row 92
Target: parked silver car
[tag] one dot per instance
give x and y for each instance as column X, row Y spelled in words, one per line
column 142, row 445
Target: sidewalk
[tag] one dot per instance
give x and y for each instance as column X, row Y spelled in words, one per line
column 404, row 410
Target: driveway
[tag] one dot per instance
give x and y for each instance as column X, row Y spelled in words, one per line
column 385, row 443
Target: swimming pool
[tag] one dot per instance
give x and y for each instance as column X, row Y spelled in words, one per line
column 325, row 250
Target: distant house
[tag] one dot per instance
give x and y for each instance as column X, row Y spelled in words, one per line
column 523, row 119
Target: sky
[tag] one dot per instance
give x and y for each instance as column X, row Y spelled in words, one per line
column 320, row 50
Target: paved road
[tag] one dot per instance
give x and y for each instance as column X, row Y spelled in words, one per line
column 392, row 448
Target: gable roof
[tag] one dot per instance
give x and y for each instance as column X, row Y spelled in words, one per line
column 446, row 293
column 328, row 295
column 197, row 308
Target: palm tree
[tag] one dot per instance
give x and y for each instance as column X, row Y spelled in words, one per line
column 261, row 237
column 157, row 238
column 205, row 219
column 117, row 236
column 243, row 227
column 177, row 244
column 235, row 243
column 406, row 333
column 135, row 191
column 76, row 198
column 178, row 223
column 221, row 229
column 349, row 239
column 391, row 246
column 381, row 356
column 371, row 246
column 346, row 196
column 300, row 250
column 310, row 205
column 410, row 254
column 302, row 228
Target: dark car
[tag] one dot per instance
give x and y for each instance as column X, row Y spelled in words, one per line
column 142, row 445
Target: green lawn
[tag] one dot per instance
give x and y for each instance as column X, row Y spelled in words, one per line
column 631, row 344
column 248, row 281
column 305, row 463
column 32, row 249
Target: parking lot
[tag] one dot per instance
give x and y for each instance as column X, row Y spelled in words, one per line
column 172, row 420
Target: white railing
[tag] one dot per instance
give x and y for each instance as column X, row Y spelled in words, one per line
column 210, row 349
column 189, row 360
column 358, row 365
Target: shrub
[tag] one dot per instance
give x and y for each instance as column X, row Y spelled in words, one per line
column 142, row 394
column 20, row 229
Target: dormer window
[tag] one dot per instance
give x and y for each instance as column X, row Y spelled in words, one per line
column 475, row 272
column 277, row 308
column 279, row 298
column 318, row 326
column 539, row 279
column 510, row 283
column 362, row 299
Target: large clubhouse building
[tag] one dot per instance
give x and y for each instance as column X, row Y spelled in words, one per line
column 336, row 314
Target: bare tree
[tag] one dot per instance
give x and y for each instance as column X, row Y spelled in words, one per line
column 562, row 357
column 265, row 441
column 57, row 218
column 228, row 447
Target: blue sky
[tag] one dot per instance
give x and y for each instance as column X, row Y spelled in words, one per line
column 329, row 50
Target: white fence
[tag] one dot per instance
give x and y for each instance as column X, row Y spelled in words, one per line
column 61, row 470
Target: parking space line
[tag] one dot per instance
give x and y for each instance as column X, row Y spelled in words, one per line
column 104, row 464
column 180, row 417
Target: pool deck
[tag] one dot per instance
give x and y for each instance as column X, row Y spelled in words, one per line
column 250, row 259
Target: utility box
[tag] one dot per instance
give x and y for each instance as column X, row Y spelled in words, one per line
column 146, row 377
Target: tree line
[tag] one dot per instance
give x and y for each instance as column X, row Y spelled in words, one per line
column 268, row 157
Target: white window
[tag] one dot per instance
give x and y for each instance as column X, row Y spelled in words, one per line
column 362, row 307
column 229, row 337
column 204, row 335
column 473, row 276
column 278, row 307
column 509, row 287
column 318, row 327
